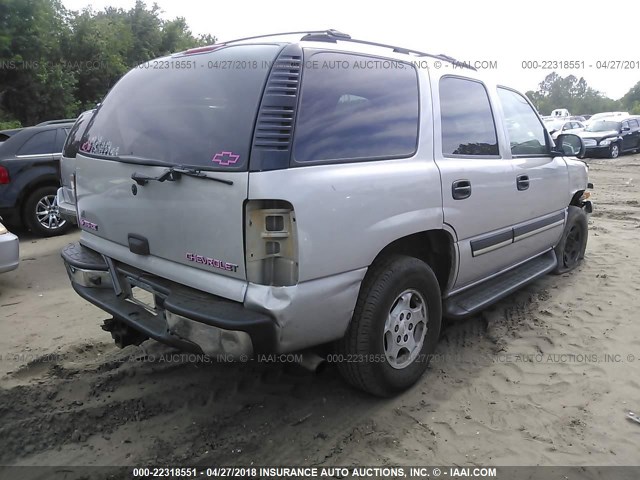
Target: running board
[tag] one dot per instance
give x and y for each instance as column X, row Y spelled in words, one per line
column 481, row 296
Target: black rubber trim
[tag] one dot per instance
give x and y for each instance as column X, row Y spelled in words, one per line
column 79, row 256
column 491, row 240
column 518, row 231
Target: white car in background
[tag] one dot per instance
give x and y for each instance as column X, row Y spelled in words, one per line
column 556, row 127
column 9, row 250
column 602, row 115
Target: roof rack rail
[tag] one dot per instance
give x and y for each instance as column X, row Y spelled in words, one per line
column 305, row 32
column 329, row 35
column 55, row 122
column 332, row 35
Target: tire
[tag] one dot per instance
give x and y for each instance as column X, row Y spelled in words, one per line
column 573, row 243
column 41, row 214
column 407, row 286
column 614, row 150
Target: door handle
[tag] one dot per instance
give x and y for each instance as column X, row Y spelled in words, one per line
column 522, row 182
column 461, row 189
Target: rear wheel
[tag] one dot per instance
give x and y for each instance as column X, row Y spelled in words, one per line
column 614, row 150
column 395, row 327
column 570, row 250
column 41, row 213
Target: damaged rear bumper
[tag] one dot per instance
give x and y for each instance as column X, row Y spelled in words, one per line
column 177, row 315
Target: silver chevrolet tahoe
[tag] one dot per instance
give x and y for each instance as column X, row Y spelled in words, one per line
column 284, row 192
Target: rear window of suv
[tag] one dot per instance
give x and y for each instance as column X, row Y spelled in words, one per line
column 193, row 110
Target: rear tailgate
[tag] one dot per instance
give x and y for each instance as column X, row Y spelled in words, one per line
column 192, row 221
column 162, row 168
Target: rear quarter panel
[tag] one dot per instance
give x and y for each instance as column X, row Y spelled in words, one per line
column 346, row 213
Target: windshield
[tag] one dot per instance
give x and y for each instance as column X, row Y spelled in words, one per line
column 603, row 126
column 194, row 110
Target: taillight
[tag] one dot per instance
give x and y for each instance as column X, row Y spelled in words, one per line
column 271, row 243
column 4, row 176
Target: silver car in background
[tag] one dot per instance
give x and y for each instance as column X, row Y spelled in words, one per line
column 9, row 250
column 559, row 127
column 66, row 195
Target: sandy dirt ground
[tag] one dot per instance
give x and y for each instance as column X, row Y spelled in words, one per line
column 542, row 378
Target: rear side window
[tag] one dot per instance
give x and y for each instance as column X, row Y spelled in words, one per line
column 355, row 108
column 526, row 133
column 466, row 118
column 634, row 123
column 40, row 143
column 194, row 110
column 72, row 144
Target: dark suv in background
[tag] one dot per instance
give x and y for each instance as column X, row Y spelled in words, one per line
column 29, row 176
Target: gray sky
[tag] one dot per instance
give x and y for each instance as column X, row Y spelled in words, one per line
column 502, row 31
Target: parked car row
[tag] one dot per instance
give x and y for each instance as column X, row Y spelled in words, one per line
column 605, row 134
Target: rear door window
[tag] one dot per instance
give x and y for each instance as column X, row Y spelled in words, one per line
column 466, row 118
column 194, row 110
column 41, row 143
column 355, row 107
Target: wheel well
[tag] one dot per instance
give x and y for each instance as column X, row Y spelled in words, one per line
column 434, row 247
column 29, row 189
column 575, row 200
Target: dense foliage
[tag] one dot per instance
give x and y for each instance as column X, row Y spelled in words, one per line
column 55, row 63
column 575, row 95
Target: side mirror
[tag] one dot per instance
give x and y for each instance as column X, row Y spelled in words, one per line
column 625, row 129
column 569, row 145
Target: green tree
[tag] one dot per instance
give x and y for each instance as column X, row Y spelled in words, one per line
column 631, row 100
column 33, row 84
column 571, row 93
column 55, row 63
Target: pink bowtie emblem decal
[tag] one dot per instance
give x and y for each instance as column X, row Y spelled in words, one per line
column 225, row 158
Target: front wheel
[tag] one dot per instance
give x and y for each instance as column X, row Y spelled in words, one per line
column 614, row 150
column 41, row 213
column 573, row 243
column 395, row 327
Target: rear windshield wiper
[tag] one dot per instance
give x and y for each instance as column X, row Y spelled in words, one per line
column 194, row 172
column 174, row 173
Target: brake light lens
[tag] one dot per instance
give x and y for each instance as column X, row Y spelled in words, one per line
column 271, row 243
column 4, row 176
